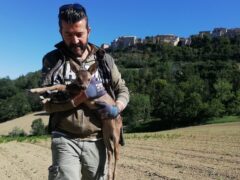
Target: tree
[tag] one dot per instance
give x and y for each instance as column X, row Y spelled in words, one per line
column 233, row 104
column 7, row 88
column 167, row 100
column 31, row 80
column 215, row 108
column 14, row 106
column 192, row 109
column 223, row 90
column 138, row 110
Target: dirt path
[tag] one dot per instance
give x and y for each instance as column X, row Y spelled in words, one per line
column 202, row 153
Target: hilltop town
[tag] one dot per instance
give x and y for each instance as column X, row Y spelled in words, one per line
column 126, row 41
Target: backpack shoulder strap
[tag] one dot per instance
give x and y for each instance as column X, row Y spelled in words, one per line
column 51, row 62
column 105, row 63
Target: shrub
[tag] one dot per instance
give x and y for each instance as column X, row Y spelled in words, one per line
column 17, row 132
column 38, row 127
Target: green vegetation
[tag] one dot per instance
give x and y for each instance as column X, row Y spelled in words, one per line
column 14, row 99
column 170, row 86
column 225, row 119
column 31, row 139
column 17, row 132
column 146, row 136
column 38, row 127
column 186, row 85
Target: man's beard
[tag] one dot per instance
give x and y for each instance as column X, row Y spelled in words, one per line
column 78, row 49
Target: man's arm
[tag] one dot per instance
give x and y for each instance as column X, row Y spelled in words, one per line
column 120, row 89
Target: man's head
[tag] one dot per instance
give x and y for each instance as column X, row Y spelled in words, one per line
column 73, row 26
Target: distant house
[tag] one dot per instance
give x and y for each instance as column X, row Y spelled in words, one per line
column 126, row 41
column 204, row 33
column 105, row 46
column 233, row 32
column 139, row 41
column 218, row 32
column 123, row 42
column 169, row 39
column 184, row 42
column 149, row 39
column 160, row 39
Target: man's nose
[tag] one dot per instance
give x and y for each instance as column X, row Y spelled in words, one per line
column 75, row 40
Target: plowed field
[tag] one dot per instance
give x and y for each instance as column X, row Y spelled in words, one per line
column 201, row 152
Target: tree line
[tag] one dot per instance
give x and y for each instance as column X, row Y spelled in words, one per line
column 15, row 101
column 171, row 86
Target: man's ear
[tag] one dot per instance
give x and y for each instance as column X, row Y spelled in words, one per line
column 60, row 31
column 74, row 66
column 92, row 69
column 88, row 31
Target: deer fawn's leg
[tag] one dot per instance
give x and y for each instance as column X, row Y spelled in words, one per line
column 109, row 175
column 59, row 87
column 116, row 155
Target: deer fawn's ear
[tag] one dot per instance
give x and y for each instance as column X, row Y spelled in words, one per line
column 92, row 69
column 74, row 66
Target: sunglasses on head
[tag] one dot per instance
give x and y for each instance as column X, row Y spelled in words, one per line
column 77, row 7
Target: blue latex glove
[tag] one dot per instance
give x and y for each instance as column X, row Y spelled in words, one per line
column 95, row 89
column 107, row 111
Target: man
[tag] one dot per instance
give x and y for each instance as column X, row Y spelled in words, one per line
column 78, row 150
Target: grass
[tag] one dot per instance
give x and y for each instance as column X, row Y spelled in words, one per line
column 139, row 136
column 31, row 139
column 155, row 125
column 146, row 136
column 224, row 119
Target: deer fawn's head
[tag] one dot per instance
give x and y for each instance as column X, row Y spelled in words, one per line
column 83, row 76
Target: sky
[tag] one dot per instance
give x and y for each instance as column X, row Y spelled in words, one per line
column 29, row 29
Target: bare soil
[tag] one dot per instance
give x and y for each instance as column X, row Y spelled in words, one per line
column 201, row 152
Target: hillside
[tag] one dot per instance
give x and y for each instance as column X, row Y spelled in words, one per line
column 170, row 86
column 201, row 152
column 22, row 122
